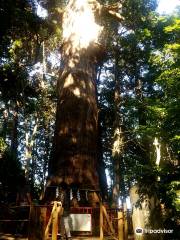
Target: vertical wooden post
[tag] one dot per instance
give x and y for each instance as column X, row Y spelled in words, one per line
column 125, row 222
column 49, row 223
column 43, row 211
column 37, row 221
column 101, row 222
column 120, row 226
column 31, row 230
column 55, row 222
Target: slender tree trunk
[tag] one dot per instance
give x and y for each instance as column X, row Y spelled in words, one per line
column 14, row 137
column 5, row 122
column 142, row 117
column 145, row 207
column 29, row 146
column 118, row 141
column 74, row 157
column 101, row 168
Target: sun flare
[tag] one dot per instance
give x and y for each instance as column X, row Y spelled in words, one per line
column 79, row 24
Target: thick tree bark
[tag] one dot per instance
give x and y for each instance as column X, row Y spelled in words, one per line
column 75, row 143
column 74, row 157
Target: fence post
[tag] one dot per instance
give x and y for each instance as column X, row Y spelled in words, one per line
column 49, row 223
column 120, row 226
column 55, row 222
column 125, row 222
column 37, row 221
column 101, row 222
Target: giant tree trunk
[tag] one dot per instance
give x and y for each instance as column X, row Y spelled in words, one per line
column 74, row 158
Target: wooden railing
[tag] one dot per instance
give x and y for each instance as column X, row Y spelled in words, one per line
column 44, row 221
column 13, row 220
column 114, row 222
column 105, row 220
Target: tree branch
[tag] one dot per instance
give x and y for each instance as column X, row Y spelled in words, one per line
column 118, row 16
column 112, row 9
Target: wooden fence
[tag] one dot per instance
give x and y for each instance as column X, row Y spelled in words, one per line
column 42, row 221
